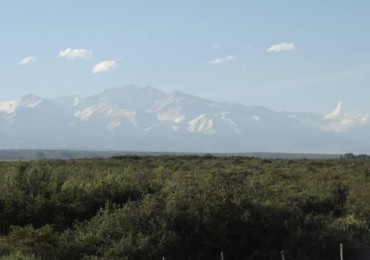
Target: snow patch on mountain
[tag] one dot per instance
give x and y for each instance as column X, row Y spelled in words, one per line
column 85, row 113
column 225, row 117
column 135, row 118
column 30, row 101
column 113, row 125
column 202, row 125
column 174, row 115
column 76, row 101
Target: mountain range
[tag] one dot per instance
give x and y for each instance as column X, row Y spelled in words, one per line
column 135, row 118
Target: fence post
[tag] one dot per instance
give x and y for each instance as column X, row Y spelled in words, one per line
column 222, row 256
column 341, row 251
column 282, row 254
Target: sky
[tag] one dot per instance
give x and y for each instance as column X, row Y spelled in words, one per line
column 287, row 55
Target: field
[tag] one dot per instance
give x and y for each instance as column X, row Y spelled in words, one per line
column 184, row 207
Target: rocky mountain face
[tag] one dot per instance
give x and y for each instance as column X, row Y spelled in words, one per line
column 145, row 119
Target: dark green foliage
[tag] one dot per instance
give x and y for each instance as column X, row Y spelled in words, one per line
column 39, row 243
column 183, row 207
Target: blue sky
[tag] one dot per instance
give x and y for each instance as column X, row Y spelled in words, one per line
column 286, row 55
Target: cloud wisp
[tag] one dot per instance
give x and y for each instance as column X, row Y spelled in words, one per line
column 72, row 54
column 281, row 47
column 222, row 60
column 338, row 121
column 336, row 113
column 105, row 66
column 215, row 46
column 27, row 60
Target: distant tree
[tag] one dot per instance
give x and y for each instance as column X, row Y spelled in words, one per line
column 362, row 156
column 349, row 156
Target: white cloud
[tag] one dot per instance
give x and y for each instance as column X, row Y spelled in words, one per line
column 338, row 121
column 281, row 47
column 105, row 66
column 222, row 60
column 27, row 60
column 230, row 57
column 75, row 54
column 336, row 113
column 248, row 46
column 215, row 46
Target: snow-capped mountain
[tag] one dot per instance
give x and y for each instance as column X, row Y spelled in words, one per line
column 145, row 119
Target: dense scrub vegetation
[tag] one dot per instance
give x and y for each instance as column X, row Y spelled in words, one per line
column 183, row 207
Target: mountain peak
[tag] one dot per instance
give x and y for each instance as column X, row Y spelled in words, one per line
column 132, row 96
column 30, row 101
column 130, row 89
column 180, row 94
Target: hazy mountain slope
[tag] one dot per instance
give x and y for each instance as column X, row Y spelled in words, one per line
column 146, row 119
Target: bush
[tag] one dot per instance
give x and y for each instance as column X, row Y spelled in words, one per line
column 28, row 241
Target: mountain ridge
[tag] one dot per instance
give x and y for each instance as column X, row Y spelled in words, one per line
column 134, row 118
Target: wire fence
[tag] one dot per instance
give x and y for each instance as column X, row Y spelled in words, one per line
column 282, row 254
